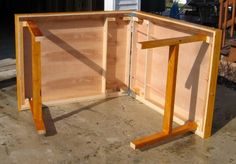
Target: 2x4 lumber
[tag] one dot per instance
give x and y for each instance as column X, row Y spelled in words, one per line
column 170, row 88
column 155, row 138
column 171, row 41
column 215, row 58
column 36, row 101
column 19, row 63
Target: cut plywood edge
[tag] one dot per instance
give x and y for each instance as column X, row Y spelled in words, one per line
column 7, row 69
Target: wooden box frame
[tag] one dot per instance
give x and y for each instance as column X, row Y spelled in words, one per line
column 167, row 64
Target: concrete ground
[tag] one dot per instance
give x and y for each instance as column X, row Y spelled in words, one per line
column 100, row 132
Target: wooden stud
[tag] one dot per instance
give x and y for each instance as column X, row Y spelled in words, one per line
column 170, row 88
column 171, row 41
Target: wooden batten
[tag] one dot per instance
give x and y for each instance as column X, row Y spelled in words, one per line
column 171, row 41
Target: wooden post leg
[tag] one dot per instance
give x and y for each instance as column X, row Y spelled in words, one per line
column 167, row 131
column 36, row 102
column 170, row 88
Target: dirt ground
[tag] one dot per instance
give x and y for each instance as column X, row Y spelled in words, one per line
column 100, row 132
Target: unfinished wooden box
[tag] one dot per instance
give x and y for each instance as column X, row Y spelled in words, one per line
column 167, row 64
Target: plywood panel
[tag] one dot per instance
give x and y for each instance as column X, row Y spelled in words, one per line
column 71, row 58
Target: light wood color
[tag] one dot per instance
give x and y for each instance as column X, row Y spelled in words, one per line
column 155, row 138
column 92, row 54
column 171, row 41
column 226, row 22
column 19, row 63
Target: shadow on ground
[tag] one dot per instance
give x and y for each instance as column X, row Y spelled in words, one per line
column 225, row 105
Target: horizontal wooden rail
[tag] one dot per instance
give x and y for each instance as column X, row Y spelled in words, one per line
column 171, row 41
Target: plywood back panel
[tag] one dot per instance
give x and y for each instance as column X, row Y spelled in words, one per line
column 71, row 58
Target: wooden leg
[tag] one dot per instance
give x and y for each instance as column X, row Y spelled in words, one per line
column 36, row 102
column 170, row 88
column 167, row 131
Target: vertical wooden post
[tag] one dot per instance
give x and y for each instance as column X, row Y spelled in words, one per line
column 233, row 18
column 36, row 102
column 170, row 88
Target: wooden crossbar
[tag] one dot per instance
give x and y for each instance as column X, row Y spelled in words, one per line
column 171, row 41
